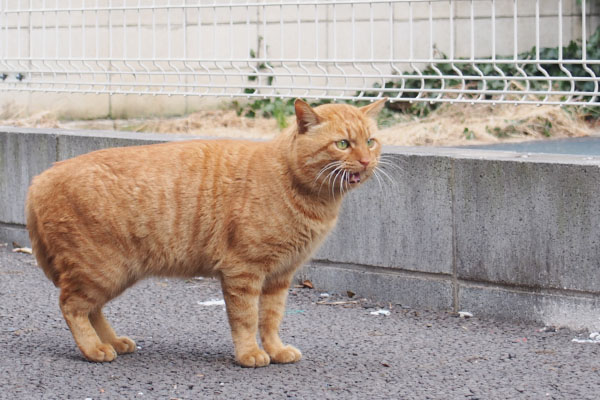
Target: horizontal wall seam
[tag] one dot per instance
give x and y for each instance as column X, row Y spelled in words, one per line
column 527, row 289
column 12, row 226
column 434, row 276
column 448, row 278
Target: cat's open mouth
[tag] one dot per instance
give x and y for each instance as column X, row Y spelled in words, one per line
column 354, row 177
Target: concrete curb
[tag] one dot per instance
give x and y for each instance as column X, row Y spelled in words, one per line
column 497, row 233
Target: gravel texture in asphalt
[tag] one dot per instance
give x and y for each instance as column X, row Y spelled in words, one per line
column 185, row 349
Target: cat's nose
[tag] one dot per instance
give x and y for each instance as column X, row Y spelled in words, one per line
column 365, row 162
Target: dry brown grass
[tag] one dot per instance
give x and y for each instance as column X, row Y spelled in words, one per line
column 213, row 123
column 476, row 124
column 13, row 117
column 448, row 125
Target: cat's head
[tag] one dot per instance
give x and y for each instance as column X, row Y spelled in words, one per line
column 334, row 145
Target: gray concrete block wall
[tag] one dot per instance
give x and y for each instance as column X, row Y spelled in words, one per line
column 496, row 233
column 24, row 155
column 549, row 308
column 538, row 224
column 415, row 192
column 409, row 289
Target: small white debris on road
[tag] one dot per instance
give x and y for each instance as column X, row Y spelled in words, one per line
column 212, row 302
column 593, row 338
column 380, row 312
column 25, row 250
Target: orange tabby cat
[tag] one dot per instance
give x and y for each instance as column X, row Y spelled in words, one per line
column 248, row 213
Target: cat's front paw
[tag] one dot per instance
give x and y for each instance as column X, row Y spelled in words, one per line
column 285, row 355
column 101, row 353
column 123, row 345
column 254, row 358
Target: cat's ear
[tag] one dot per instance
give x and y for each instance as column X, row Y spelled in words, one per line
column 373, row 109
column 306, row 117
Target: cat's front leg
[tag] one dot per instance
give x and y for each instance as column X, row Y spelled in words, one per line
column 272, row 306
column 241, row 292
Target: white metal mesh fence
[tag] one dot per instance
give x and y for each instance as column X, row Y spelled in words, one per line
column 500, row 51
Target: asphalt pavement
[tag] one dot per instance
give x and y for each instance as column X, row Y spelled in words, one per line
column 185, row 349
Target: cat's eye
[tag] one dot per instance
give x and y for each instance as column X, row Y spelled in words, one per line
column 342, row 144
column 370, row 142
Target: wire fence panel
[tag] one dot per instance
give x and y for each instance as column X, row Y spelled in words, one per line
column 498, row 51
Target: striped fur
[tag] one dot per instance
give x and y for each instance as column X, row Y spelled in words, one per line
column 247, row 213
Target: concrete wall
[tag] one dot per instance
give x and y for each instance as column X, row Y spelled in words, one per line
column 494, row 233
column 499, row 233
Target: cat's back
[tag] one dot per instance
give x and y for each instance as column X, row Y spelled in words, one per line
column 164, row 159
column 127, row 171
column 161, row 199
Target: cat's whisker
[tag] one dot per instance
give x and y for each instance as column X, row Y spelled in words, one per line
column 335, row 165
column 347, row 186
column 380, row 170
column 391, row 168
column 344, row 178
column 329, row 177
column 332, row 164
column 391, row 165
column 322, row 183
column 339, row 171
column 392, row 158
column 342, row 181
column 389, row 186
column 378, row 180
column 342, row 174
column 387, row 176
column 391, row 175
column 332, row 184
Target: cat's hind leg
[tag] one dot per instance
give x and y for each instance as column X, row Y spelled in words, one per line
column 76, row 308
column 121, row 344
column 272, row 306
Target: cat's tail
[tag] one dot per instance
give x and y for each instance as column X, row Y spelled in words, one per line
column 39, row 247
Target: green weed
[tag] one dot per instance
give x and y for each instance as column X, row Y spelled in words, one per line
column 281, row 108
column 469, row 134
